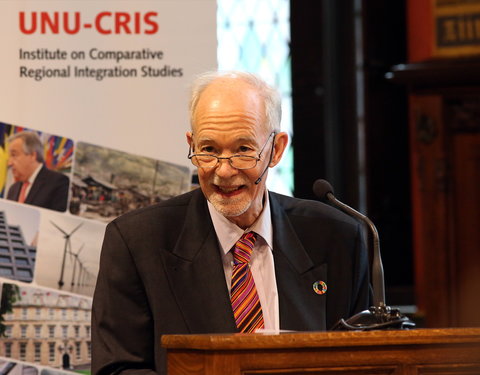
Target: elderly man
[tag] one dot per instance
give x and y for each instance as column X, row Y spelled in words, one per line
column 34, row 182
column 231, row 256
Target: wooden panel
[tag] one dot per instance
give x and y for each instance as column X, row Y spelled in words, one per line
column 326, row 353
column 457, row 369
column 466, row 165
column 430, row 189
column 445, row 178
column 327, row 340
column 359, row 370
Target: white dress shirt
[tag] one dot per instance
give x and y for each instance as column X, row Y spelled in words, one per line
column 261, row 262
column 32, row 178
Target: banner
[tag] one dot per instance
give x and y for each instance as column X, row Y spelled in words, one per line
column 99, row 91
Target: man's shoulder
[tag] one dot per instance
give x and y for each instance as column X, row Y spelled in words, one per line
column 51, row 174
column 293, row 205
column 13, row 189
column 306, row 208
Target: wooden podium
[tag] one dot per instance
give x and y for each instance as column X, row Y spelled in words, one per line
column 451, row 351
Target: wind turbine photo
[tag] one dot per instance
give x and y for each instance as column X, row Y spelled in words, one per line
column 68, row 253
column 66, row 248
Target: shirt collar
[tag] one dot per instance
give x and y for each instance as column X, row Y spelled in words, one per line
column 228, row 233
column 33, row 176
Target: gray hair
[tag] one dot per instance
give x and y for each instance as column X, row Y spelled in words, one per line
column 31, row 143
column 270, row 95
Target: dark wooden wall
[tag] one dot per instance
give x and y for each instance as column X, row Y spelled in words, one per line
column 399, row 138
column 350, row 122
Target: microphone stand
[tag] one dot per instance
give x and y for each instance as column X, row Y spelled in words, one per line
column 377, row 266
column 378, row 316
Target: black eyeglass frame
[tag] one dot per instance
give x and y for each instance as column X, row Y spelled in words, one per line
column 229, row 158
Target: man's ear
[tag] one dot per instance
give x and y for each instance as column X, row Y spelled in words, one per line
column 281, row 142
column 33, row 155
column 189, row 139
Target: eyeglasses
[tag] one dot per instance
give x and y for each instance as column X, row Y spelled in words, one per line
column 236, row 161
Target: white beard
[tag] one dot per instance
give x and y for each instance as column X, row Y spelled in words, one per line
column 230, row 207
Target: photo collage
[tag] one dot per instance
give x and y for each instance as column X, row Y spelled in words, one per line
column 56, row 197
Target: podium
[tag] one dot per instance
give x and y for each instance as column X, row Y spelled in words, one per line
column 450, row 351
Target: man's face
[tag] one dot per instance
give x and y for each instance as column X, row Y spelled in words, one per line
column 229, row 120
column 22, row 164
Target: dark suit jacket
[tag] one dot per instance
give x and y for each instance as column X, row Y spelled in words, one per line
column 161, row 273
column 49, row 190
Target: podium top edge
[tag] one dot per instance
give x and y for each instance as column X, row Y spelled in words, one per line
column 321, row 339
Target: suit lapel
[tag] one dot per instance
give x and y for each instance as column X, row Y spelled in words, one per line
column 15, row 191
column 36, row 187
column 301, row 309
column 196, row 274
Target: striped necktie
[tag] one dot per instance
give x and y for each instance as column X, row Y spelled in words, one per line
column 245, row 302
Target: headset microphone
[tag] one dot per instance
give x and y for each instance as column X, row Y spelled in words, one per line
column 257, row 181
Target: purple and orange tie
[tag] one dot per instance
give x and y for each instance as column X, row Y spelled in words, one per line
column 245, row 302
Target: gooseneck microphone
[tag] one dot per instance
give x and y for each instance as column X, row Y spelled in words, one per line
column 378, row 316
column 324, row 191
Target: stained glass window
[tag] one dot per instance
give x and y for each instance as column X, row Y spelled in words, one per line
column 254, row 36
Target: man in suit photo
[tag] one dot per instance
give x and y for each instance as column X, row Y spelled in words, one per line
column 231, row 256
column 34, row 183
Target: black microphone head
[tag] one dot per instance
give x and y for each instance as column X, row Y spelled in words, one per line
column 321, row 188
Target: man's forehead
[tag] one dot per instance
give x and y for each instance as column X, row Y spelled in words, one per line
column 209, row 138
column 17, row 142
column 236, row 104
column 228, row 81
column 228, row 87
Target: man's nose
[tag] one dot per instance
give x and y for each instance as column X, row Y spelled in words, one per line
column 225, row 169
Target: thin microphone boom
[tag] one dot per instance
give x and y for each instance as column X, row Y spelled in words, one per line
column 324, row 190
column 257, row 181
column 378, row 316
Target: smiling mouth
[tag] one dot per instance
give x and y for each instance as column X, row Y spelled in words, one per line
column 226, row 190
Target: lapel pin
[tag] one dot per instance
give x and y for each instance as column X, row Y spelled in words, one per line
column 320, row 287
